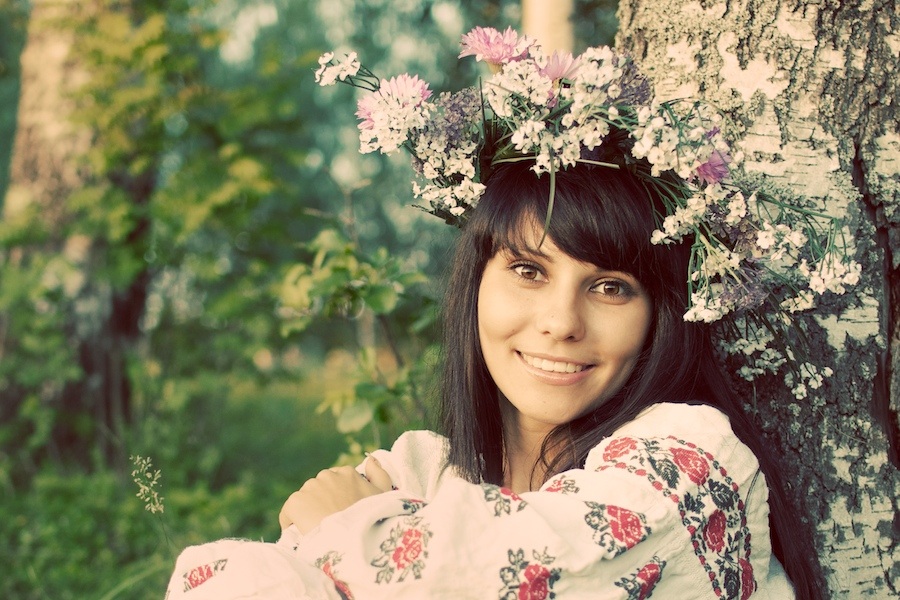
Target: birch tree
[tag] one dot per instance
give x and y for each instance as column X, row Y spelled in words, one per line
column 810, row 90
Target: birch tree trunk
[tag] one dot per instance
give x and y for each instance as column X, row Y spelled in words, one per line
column 812, row 88
column 549, row 22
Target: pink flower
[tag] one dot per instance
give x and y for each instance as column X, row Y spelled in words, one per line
column 715, row 169
column 561, row 65
column 397, row 92
column 493, row 47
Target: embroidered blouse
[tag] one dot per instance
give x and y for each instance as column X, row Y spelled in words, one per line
column 671, row 504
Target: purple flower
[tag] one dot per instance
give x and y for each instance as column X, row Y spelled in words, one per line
column 715, row 169
column 493, row 47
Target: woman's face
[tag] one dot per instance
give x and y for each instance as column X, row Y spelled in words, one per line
column 559, row 336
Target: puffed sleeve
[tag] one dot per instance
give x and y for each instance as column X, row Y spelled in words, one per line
column 671, row 504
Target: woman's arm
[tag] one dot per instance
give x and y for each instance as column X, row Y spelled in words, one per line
column 650, row 510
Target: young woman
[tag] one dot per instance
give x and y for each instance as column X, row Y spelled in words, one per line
column 590, row 447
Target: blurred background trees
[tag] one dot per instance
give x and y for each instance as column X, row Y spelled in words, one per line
column 196, row 266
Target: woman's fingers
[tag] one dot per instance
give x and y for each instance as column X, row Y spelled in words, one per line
column 377, row 476
column 331, row 491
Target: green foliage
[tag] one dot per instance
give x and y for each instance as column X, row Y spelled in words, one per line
column 210, row 280
column 340, row 281
column 75, row 535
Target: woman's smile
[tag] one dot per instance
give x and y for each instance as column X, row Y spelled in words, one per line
column 553, row 365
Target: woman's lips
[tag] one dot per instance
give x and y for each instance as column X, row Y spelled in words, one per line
column 558, row 372
column 555, row 366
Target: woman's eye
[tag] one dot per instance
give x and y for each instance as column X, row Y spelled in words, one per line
column 529, row 272
column 612, row 288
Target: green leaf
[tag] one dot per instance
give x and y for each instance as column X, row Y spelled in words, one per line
column 354, row 417
column 381, row 299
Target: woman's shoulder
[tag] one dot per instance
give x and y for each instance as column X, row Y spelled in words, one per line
column 678, row 418
column 680, row 429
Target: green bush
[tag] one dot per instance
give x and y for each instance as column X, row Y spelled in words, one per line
column 229, row 454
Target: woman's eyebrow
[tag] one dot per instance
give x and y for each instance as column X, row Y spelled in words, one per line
column 526, row 252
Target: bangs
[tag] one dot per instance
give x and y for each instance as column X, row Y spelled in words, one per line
column 600, row 216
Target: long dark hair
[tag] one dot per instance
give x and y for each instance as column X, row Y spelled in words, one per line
column 602, row 216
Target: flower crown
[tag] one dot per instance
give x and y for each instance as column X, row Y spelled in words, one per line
column 755, row 248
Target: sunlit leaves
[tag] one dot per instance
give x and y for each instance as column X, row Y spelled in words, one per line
column 340, row 281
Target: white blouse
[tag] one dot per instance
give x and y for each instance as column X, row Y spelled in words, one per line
column 671, row 504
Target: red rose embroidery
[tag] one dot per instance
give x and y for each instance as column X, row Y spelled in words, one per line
column 648, row 577
column 714, row 531
column 510, row 494
column 619, row 447
column 555, row 486
column 535, row 586
column 625, row 525
column 199, row 575
column 748, row 583
column 342, row 588
column 691, row 464
column 409, row 549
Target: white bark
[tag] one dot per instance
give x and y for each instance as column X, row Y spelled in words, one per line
column 42, row 168
column 550, row 23
column 812, row 90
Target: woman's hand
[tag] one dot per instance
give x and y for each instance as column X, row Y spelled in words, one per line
column 331, row 491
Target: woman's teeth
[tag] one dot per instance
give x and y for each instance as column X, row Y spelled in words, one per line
column 552, row 366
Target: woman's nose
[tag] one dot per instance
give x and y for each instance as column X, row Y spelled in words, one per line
column 561, row 317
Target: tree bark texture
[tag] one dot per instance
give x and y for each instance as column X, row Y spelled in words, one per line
column 811, row 89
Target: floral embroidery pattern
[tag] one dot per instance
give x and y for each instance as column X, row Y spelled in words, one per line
column 708, row 503
column 203, row 573
column 404, row 551
column 641, row 584
column 327, row 563
column 619, row 447
column 528, row 580
column 563, row 485
column 503, row 499
column 412, row 506
column 616, row 529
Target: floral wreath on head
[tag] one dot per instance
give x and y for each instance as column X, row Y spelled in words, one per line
column 755, row 249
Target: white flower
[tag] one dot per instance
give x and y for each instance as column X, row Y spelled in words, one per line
column 519, row 87
column 705, row 307
column 765, row 238
column 737, row 209
column 390, row 112
column 802, row 301
column 832, row 275
column 528, row 135
column 328, row 74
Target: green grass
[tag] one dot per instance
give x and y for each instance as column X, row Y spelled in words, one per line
column 228, row 462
